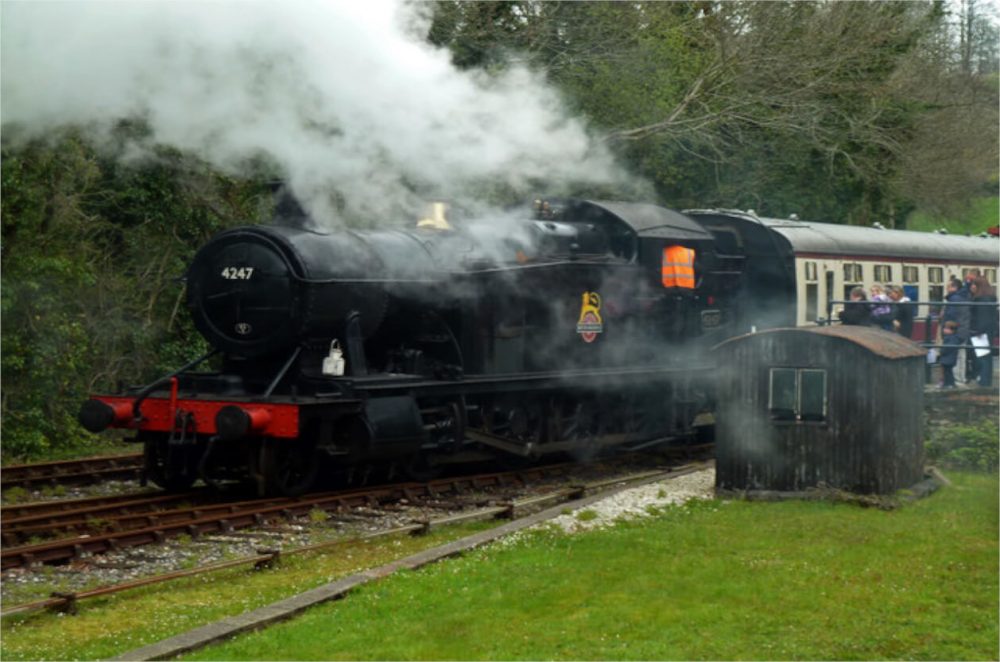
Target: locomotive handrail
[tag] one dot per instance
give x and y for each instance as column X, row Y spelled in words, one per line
column 284, row 370
column 145, row 392
column 505, row 268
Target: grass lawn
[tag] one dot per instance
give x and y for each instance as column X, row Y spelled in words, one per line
column 708, row 580
column 114, row 624
column 981, row 214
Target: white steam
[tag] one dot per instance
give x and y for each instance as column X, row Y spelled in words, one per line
column 343, row 97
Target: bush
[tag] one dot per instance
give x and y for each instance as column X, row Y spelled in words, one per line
column 974, row 447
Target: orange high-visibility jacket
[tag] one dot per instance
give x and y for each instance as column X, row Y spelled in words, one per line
column 678, row 267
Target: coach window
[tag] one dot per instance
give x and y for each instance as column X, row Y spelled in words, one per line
column 797, row 394
column 991, row 276
column 812, row 292
column 852, row 278
column 935, row 276
column 911, row 276
column 883, row 273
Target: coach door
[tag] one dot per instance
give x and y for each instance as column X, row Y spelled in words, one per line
column 829, row 293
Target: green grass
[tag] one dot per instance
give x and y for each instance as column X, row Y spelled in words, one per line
column 711, row 580
column 981, row 214
column 107, row 626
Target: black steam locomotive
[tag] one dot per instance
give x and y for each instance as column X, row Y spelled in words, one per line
column 569, row 327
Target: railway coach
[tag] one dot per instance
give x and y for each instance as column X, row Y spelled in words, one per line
column 794, row 268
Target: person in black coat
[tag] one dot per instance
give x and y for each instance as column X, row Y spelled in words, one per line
column 983, row 321
column 949, row 353
column 903, row 311
column 956, row 311
column 856, row 311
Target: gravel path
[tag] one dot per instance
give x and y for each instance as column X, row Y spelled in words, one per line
column 638, row 502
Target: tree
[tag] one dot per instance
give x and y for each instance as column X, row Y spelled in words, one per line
column 811, row 107
column 92, row 251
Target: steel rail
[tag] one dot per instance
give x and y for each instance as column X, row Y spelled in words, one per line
column 71, row 472
column 121, row 516
column 15, row 511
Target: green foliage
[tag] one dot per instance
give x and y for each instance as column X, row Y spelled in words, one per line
column 966, row 446
column 757, row 104
column 318, row 516
column 16, row 495
column 92, row 250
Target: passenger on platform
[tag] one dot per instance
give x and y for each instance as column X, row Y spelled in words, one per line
column 971, row 275
column 983, row 325
column 960, row 314
column 856, row 311
column 881, row 310
column 949, row 353
column 903, row 311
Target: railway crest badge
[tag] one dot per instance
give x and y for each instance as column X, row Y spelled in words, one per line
column 590, row 323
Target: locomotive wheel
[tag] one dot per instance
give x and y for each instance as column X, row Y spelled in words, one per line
column 171, row 472
column 581, row 424
column 289, row 467
column 421, row 469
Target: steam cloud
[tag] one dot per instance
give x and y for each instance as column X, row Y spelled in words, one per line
column 341, row 97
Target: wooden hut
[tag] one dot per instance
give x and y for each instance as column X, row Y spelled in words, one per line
column 838, row 405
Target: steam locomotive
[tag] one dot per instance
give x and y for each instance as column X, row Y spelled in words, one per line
column 569, row 326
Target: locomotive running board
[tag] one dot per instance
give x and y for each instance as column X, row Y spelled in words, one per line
column 603, row 378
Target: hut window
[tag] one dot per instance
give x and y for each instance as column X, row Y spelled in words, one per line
column 883, row 273
column 783, row 393
column 935, row 274
column 812, row 395
column 797, row 394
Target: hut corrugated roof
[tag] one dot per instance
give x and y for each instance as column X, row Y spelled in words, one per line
column 879, row 342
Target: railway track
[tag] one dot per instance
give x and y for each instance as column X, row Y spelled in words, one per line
column 72, row 472
column 512, row 510
column 104, row 527
column 92, row 516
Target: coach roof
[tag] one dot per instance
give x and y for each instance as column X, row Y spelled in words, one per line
column 854, row 240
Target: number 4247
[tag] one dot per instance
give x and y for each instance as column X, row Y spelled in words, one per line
column 237, row 273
